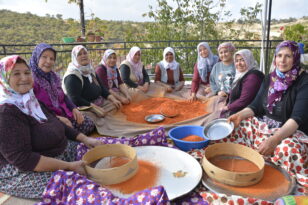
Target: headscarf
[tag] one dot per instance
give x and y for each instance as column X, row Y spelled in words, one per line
column 112, row 75
column 137, row 67
column 50, row 82
column 86, row 70
column 280, row 82
column 250, row 62
column 227, row 45
column 172, row 65
column 205, row 65
column 26, row 103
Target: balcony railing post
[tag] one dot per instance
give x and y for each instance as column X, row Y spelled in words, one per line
column 4, row 50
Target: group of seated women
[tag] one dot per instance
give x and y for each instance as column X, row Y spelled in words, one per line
column 40, row 122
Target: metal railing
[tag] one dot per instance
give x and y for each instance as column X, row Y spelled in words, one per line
column 186, row 53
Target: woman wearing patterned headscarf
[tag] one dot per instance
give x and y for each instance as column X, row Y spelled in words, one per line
column 132, row 71
column 280, row 131
column 82, row 85
column 223, row 72
column 246, row 83
column 47, row 88
column 109, row 75
column 33, row 142
column 168, row 73
column 202, row 70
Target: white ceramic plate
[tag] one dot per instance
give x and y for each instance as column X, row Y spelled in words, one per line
column 170, row 160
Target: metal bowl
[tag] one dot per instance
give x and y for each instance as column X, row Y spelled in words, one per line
column 218, row 129
column 154, row 118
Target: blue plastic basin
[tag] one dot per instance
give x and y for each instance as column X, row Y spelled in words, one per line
column 177, row 133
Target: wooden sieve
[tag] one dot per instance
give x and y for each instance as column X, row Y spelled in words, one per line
column 228, row 177
column 113, row 175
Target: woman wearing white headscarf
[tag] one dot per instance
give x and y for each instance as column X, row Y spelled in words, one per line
column 82, row 85
column 132, row 71
column 109, row 75
column 246, row 83
column 168, row 72
column 202, row 70
column 33, row 142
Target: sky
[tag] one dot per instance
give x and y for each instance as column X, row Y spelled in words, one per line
column 132, row 10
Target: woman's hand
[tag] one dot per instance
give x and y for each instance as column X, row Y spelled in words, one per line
column 236, row 119
column 129, row 98
column 77, row 166
column 92, row 142
column 145, row 87
column 241, row 115
column 88, row 141
column 124, row 100
column 268, row 146
column 192, row 97
column 168, row 88
column 78, row 116
column 65, row 121
column 207, row 90
column 224, row 108
column 222, row 94
column 117, row 103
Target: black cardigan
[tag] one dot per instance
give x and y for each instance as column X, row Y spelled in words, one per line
column 293, row 104
column 237, row 90
column 84, row 95
column 125, row 73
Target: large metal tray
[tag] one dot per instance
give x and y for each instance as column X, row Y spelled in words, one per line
column 217, row 188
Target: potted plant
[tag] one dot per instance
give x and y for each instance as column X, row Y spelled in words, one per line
column 99, row 35
column 98, row 38
column 90, row 36
column 80, row 39
column 68, row 39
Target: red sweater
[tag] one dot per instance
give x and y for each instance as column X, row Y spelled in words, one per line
column 196, row 80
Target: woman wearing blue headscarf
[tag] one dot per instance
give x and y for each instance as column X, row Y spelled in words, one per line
column 48, row 90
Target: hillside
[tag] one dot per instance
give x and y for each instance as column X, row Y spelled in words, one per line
column 18, row 28
column 27, row 28
column 275, row 33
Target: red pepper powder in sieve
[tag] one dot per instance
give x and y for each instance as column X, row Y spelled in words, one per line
column 273, row 183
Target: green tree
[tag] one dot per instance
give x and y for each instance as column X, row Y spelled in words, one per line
column 294, row 32
column 186, row 20
column 249, row 16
